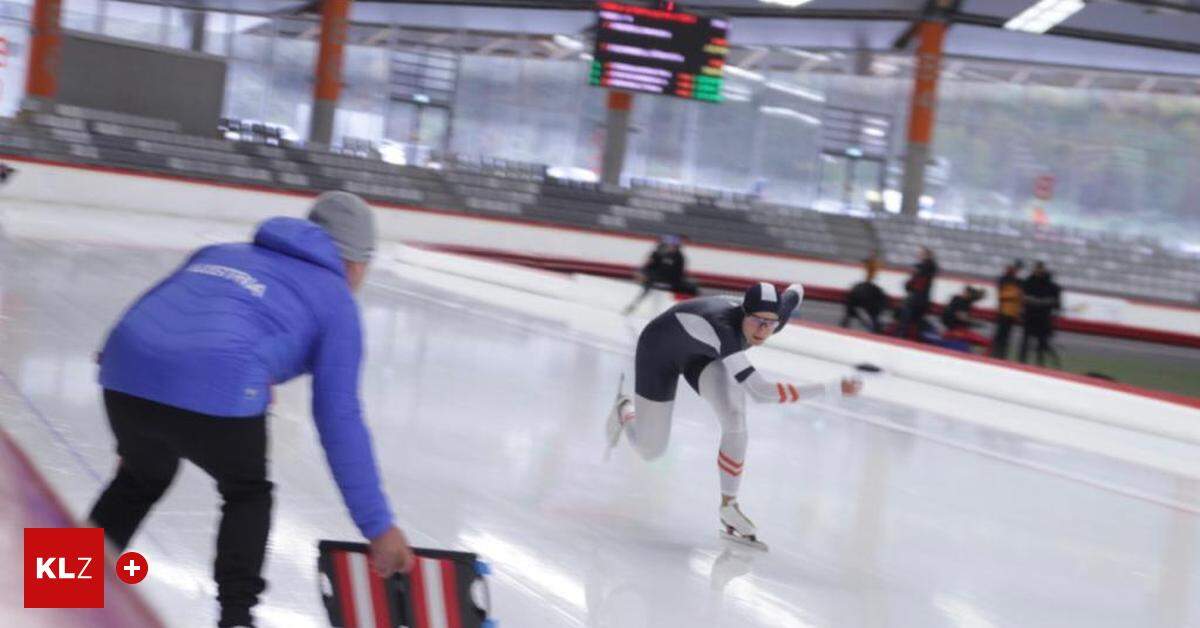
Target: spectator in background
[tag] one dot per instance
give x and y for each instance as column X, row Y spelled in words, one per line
column 871, row 265
column 1054, row 314
column 917, row 300
column 1010, row 296
column 956, row 318
column 1042, row 301
column 665, row 269
column 866, row 297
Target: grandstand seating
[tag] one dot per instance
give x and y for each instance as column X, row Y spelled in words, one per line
column 979, row 247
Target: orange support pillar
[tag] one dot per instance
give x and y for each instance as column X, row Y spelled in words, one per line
column 616, row 136
column 334, row 16
column 41, row 83
column 922, row 113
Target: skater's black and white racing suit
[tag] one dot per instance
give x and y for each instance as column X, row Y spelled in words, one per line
column 691, row 335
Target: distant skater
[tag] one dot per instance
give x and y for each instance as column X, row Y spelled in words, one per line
column 665, row 268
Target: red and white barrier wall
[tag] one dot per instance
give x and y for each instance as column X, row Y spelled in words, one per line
column 29, row 502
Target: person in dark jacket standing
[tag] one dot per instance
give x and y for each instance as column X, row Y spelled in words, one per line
column 1010, row 296
column 919, row 287
column 187, row 375
column 665, row 268
column 1042, row 299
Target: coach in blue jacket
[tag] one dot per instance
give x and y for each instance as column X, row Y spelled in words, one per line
column 187, row 374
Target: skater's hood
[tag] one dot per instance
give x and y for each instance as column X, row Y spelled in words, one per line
column 301, row 239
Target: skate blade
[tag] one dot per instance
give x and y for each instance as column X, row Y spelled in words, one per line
column 610, row 443
column 744, row 540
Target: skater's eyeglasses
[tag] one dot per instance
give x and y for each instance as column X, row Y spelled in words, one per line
column 764, row 323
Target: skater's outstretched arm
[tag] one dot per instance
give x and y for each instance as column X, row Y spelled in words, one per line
column 763, row 390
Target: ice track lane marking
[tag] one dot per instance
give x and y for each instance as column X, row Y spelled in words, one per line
column 64, row 442
column 54, row 431
column 1036, row 466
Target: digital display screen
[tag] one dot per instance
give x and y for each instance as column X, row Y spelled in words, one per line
column 659, row 52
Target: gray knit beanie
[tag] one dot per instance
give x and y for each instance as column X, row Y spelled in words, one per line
column 349, row 221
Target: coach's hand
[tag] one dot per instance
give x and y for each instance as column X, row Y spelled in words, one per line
column 390, row 553
column 851, row 386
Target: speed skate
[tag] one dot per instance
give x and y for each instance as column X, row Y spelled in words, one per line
column 615, row 425
column 729, row 534
column 737, row 527
column 749, row 540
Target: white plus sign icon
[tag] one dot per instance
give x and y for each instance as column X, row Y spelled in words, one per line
column 132, row 568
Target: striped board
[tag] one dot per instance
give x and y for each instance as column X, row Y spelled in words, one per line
column 435, row 593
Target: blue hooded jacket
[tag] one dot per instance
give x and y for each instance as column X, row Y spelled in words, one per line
column 236, row 319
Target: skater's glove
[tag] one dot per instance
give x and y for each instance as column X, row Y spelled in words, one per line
column 851, row 386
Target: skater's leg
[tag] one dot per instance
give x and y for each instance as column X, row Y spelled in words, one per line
column 847, row 316
column 650, row 427
column 717, row 387
column 876, row 326
column 856, row 314
column 656, row 379
column 728, row 401
column 639, row 298
column 146, row 469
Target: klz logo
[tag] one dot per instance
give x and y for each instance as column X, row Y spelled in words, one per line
column 64, row 568
column 45, row 568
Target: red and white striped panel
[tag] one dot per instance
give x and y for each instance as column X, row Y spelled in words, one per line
column 434, row 590
column 363, row 601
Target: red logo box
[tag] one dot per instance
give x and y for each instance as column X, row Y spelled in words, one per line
column 64, row 568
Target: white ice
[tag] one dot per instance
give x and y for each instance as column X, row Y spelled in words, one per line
column 488, row 427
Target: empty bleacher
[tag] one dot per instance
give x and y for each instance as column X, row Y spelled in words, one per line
column 979, row 247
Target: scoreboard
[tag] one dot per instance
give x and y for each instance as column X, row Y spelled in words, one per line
column 660, row 52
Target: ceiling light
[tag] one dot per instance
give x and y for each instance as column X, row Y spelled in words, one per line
column 1044, row 15
column 570, row 43
column 784, row 112
column 791, row 4
column 804, row 54
column 746, row 74
column 798, row 92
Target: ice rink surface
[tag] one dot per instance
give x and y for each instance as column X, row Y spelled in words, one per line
column 488, row 428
